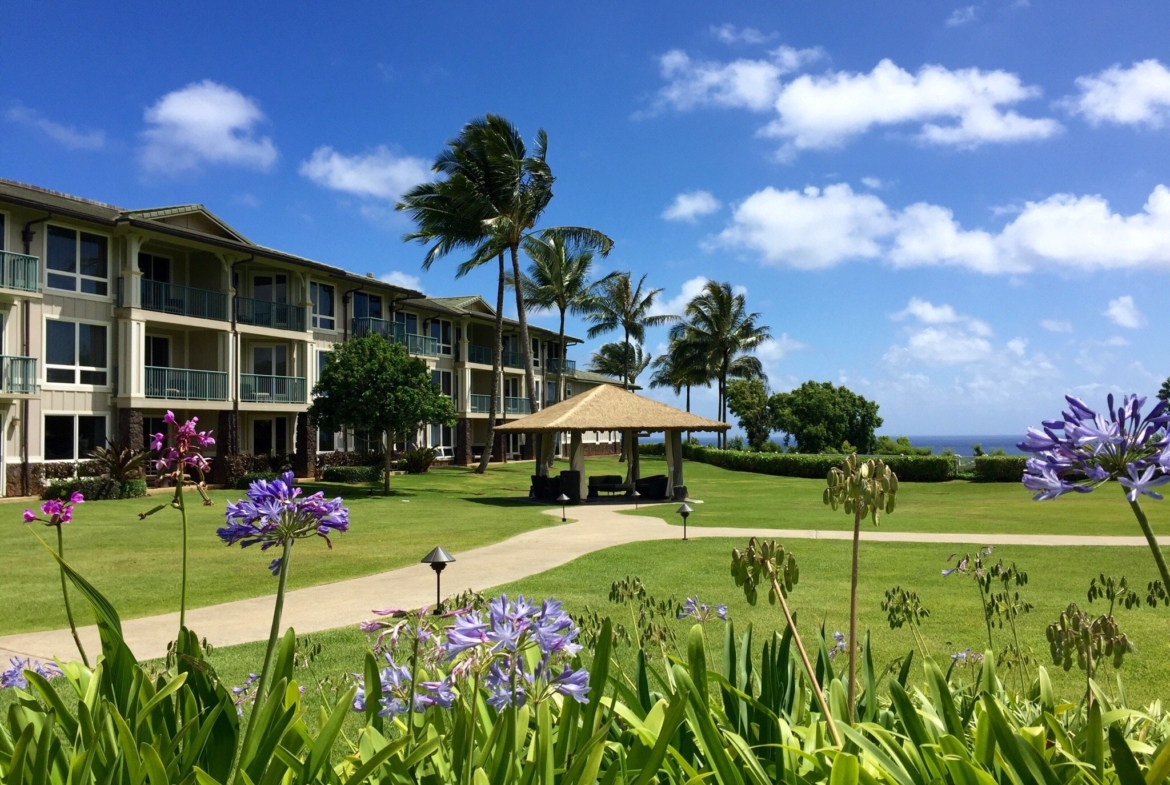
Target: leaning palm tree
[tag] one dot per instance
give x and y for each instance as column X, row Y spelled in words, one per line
column 719, row 332
column 620, row 360
column 623, row 306
column 672, row 370
column 560, row 277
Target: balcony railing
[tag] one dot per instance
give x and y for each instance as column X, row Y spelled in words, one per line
column 481, row 404
column 263, row 313
column 517, row 406
column 479, row 354
column 184, row 300
column 18, row 375
column 19, row 271
column 396, row 333
column 513, row 359
column 553, row 365
column 255, row 388
column 183, row 384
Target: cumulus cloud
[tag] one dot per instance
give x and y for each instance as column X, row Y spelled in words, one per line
column 67, row 136
column 691, row 289
column 730, row 34
column 691, row 206
column 962, row 16
column 1138, row 95
column 927, row 312
column 406, row 281
column 1056, row 325
column 205, row 122
column 1124, row 313
column 742, row 84
column 819, row 228
column 773, row 350
column 379, row 174
column 872, row 182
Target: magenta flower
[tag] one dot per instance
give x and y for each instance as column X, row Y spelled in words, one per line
column 187, row 449
column 58, row 512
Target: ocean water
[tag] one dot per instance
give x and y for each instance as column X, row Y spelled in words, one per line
column 960, row 445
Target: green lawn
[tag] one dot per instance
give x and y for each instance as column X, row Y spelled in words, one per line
column 761, row 501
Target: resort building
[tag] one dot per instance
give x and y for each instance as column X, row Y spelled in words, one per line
column 110, row 317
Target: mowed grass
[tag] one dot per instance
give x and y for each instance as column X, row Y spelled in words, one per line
column 749, row 500
column 1058, row 576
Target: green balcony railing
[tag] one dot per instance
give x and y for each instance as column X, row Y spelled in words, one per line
column 420, row 344
column 20, row 271
column 479, row 354
column 18, row 375
column 513, row 359
column 255, row 388
column 368, row 325
column 553, row 365
column 517, row 406
column 396, row 333
column 184, row 384
column 184, row 300
column 263, row 313
column 481, row 404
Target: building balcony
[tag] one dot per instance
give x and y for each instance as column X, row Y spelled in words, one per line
column 479, row 354
column 18, row 375
column 182, row 300
column 480, row 404
column 396, row 333
column 553, row 365
column 20, row 271
column 264, row 313
column 256, row 388
column 517, row 406
column 513, row 359
column 183, row 384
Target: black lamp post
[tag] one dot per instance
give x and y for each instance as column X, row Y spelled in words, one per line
column 438, row 559
column 636, row 496
column 684, row 511
column 563, row 499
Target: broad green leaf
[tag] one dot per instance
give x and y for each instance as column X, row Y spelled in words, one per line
column 845, row 769
column 1125, row 766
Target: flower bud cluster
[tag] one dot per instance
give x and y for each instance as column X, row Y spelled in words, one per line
column 867, row 488
column 760, row 562
column 1077, row 634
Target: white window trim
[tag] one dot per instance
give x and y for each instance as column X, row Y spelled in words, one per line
column 313, row 317
column 288, row 358
column 272, row 418
column 44, row 432
column 110, row 287
column 7, row 217
column 109, row 369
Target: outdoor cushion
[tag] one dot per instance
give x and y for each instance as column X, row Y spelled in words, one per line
column 653, row 487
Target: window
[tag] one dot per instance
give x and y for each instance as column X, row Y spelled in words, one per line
column 441, row 332
column 158, row 352
column 535, row 352
column 70, row 437
column 443, row 379
column 270, row 288
column 3, row 234
column 270, row 360
column 367, row 306
column 442, row 439
column 72, row 348
column 326, row 441
column 270, row 437
column 151, row 426
column 409, row 322
column 155, row 268
column 321, row 294
column 77, row 261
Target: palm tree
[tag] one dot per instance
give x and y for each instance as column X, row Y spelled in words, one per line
column 620, row 360
column 625, row 307
column 719, row 333
column 559, row 277
column 671, row 370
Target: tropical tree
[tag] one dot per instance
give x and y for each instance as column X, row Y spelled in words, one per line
column 748, row 401
column 820, row 416
column 620, row 360
column 671, row 370
column 719, row 333
column 560, row 277
column 622, row 306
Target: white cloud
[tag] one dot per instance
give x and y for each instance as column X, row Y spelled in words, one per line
column 205, row 122
column 1056, row 325
column 742, row 84
column 676, row 305
column 379, row 174
column 872, row 182
column 65, row 135
column 962, row 108
column 730, row 34
column 691, row 206
column 1138, row 95
column 1017, row 346
column 1124, row 313
column 773, row 350
column 961, row 16
column 927, row 312
column 406, row 281
column 819, row 228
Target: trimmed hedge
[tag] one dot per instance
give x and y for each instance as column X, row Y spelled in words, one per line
column 248, row 478
column 94, row 489
column 909, row 468
column 1000, row 468
column 133, row 489
column 352, row 474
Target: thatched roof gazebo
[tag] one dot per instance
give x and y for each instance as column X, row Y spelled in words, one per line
column 607, row 407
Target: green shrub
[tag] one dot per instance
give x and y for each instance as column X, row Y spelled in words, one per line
column 133, row 489
column 418, row 460
column 248, row 478
column 352, row 474
column 999, row 468
column 94, row 489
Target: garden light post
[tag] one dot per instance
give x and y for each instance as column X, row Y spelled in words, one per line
column 438, row 559
column 636, row 496
column 684, row 511
column 563, row 499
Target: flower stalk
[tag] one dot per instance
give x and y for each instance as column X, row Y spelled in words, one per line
column 65, row 595
column 58, row 513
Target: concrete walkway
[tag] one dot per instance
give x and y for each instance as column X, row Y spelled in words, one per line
column 348, row 602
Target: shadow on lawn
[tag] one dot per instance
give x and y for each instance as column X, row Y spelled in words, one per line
column 351, row 491
column 496, row 501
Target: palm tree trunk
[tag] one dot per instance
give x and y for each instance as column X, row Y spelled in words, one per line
column 497, row 360
column 522, row 318
column 626, row 362
column 561, row 362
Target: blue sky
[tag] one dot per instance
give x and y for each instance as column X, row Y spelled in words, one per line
column 961, row 211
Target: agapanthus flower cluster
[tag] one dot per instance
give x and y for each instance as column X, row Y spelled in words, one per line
column 1086, row 449
column 966, row 657
column 244, row 692
column 275, row 513
column 968, row 564
column 14, row 678
column 56, row 511
column 396, row 691
column 839, row 645
column 187, row 449
column 701, row 611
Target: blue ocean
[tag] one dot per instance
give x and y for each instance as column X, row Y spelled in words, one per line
column 959, row 445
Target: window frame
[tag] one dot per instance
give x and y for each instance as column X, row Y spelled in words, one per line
column 103, row 416
column 77, row 368
column 77, row 275
column 316, row 319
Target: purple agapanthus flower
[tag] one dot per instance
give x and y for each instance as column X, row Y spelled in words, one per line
column 701, row 611
column 840, row 646
column 275, row 512
column 244, row 692
column 1086, row 449
column 14, row 677
column 396, row 692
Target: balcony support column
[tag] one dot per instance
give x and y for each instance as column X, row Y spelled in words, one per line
column 132, row 358
column 305, row 459
column 131, row 275
column 130, row 431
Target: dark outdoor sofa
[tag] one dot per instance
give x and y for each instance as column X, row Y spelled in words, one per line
column 606, row 483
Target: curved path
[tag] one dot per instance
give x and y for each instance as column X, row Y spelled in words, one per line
column 348, row 602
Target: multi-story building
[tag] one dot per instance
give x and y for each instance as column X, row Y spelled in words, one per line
column 109, row 317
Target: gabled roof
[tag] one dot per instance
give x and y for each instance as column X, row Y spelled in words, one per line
column 191, row 216
column 610, row 408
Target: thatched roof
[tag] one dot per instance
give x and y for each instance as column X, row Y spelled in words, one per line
column 610, row 408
